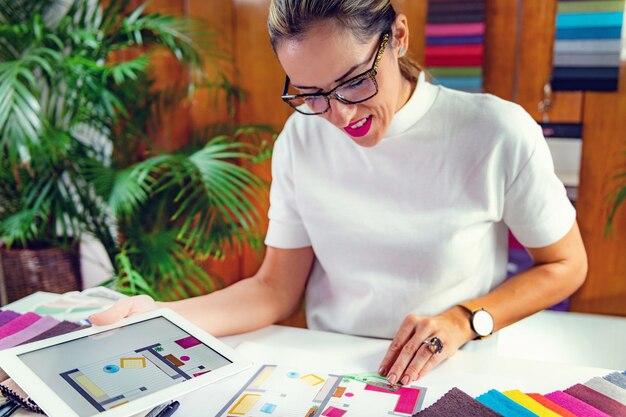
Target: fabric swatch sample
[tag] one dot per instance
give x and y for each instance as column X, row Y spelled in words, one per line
column 563, row 412
column 529, row 403
column 607, row 388
column 61, row 328
column 6, row 316
column 457, row 403
column 617, row 378
column 597, row 400
column 573, row 404
column 502, row 404
column 17, row 324
column 38, row 327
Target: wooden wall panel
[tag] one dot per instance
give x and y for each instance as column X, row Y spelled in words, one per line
column 500, row 43
column 604, row 145
column 415, row 12
column 535, row 64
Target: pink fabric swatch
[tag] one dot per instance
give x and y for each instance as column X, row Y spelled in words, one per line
column 573, row 404
column 18, row 324
column 38, row 327
column 455, row 29
column 406, row 401
column 598, row 400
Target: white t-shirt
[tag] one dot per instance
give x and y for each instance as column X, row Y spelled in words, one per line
column 417, row 223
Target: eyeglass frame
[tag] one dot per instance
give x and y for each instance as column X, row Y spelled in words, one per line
column 371, row 74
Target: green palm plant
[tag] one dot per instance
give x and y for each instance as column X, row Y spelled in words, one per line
column 76, row 157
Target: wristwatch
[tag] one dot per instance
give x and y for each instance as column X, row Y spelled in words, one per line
column 481, row 320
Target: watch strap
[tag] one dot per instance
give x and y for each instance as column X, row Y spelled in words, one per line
column 471, row 306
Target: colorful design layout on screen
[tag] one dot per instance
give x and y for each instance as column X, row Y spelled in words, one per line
column 278, row 391
column 105, row 371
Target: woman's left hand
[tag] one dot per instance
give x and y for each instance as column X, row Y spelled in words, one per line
column 409, row 358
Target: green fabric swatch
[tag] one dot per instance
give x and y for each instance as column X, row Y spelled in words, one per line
column 591, row 6
column 439, row 72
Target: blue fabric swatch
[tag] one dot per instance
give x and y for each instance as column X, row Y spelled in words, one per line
column 587, row 20
column 454, row 40
column 502, row 404
column 613, row 32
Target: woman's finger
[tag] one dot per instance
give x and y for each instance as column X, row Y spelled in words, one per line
column 412, row 351
column 414, row 369
column 435, row 360
column 402, row 337
column 123, row 308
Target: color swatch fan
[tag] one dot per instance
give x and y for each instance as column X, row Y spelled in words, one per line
column 587, row 45
column 454, row 43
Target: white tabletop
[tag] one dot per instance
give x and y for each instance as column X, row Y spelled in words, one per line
column 543, row 353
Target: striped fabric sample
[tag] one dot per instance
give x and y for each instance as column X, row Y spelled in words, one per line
column 38, row 327
column 502, row 404
column 607, row 388
column 587, row 45
column 597, row 400
column 529, row 403
column 18, row 324
column 457, row 403
column 454, row 43
column 573, row 404
column 563, row 412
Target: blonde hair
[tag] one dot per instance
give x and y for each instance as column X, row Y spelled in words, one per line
column 291, row 19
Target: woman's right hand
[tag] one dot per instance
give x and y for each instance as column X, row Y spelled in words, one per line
column 123, row 308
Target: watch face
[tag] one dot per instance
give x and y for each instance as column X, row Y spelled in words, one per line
column 482, row 323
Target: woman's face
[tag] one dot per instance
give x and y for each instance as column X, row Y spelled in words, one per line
column 328, row 56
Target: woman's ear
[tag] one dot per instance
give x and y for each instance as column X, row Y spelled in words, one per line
column 401, row 34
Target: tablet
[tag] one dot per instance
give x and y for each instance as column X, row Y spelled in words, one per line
column 121, row 369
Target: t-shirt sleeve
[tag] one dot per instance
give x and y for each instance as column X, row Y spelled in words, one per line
column 536, row 207
column 286, row 229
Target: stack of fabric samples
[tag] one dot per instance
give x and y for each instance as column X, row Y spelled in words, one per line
column 454, row 43
column 17, row 329
column 598, row 397
column 587, row 45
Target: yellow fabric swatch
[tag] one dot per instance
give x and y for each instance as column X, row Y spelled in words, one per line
column 532, row 405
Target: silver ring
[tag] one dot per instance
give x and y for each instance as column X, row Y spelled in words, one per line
column 434, row 344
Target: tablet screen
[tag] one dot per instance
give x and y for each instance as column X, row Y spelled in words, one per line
column 106, row 370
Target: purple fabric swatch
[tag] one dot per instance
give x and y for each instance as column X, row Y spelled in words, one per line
column 617, row 379
column 6, row 316
column 59, row 329
column 457, row 403
column 38, row 327
column 598, row 400
column 573, row 404
column 18, row 324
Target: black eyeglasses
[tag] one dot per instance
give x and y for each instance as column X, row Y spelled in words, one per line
column 353, row 91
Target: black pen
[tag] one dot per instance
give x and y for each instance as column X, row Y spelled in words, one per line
column 8, row 408
column 169, row 410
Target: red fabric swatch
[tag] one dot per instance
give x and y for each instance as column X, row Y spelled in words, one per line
column 551, row 405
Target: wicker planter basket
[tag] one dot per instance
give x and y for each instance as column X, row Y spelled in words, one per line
column 25, row 271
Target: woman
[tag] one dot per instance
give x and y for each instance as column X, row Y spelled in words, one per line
column 391, row 200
